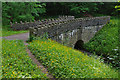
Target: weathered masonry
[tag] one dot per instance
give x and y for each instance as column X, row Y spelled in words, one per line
column 27, row 25
column 72, row 31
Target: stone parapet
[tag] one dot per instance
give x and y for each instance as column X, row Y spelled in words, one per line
column 57, row 28
column 27, row 25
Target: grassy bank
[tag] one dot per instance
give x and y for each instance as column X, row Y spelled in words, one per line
column 65, row 62
column 16, row 63
column 105, row 42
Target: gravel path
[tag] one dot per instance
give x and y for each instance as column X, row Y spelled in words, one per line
column 23, row 36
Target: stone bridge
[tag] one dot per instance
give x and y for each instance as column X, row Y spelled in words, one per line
column 70, row 31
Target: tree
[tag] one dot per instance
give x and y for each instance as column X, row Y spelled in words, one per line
column 21, row 11
column 76, row 8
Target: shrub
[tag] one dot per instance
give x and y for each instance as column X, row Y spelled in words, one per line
column 16, row 63
column 65, row 62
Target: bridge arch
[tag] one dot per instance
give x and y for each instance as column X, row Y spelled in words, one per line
column 79, row 45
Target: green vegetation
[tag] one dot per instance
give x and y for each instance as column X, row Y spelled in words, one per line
column 16, row 63
column 118, row 5
column 0, row 58
column 6, row 31
column 21, row 11
column 105, row 42
column 29, row 11
column 65, row 62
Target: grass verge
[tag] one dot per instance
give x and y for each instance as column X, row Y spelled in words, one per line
column 65, row 62
column 16, row 63
column 6, row 31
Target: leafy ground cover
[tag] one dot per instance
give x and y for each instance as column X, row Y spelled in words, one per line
column 105, row 43
column 6, row 31
column 16, row 63
column 65, row 62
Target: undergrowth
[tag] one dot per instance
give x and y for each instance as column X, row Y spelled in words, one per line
column 16, row 63
column 65, row 62
column 105, row 43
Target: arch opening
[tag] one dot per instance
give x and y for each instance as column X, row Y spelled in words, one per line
column 79, row 45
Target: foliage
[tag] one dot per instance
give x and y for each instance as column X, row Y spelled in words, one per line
column 108, row 8
column 76, row 9
column 21, row 11
column 118, row 6
column 80, row 9
column 83, row 8
column 65, row 62
column 105, row 43
column 16, row 63
column 29, row 11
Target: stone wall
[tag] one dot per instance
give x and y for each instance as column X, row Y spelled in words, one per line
column 26, row 25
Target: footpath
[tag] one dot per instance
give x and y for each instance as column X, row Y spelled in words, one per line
column 25, row 37
column 22, row 36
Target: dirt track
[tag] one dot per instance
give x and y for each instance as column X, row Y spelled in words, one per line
column 22, row 36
